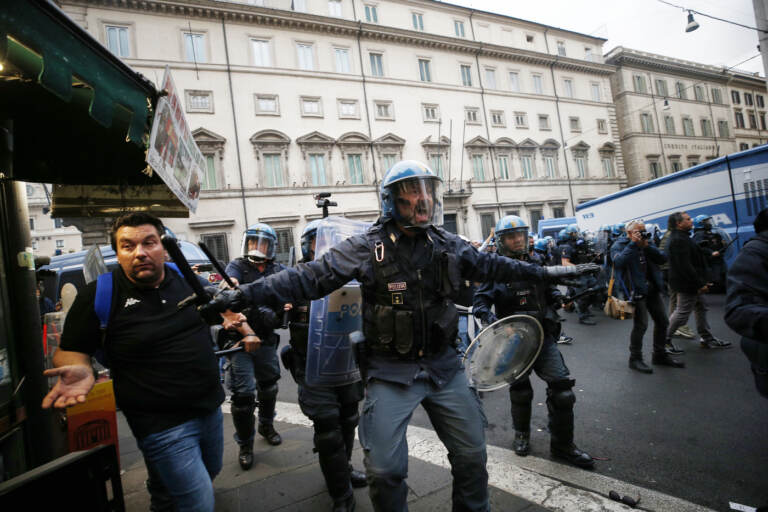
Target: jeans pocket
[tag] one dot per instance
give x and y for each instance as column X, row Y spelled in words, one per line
column 366, row 422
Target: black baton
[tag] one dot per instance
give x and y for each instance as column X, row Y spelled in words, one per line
column 200, row 297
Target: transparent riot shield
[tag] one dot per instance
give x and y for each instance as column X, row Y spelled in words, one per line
column 330, row 357
column 503, row 352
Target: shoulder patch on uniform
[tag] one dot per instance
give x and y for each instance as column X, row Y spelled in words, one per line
column 397, row 287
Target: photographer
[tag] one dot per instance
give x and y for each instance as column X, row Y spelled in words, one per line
column 636, row 260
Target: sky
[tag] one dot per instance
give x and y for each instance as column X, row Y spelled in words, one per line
column 648, row 25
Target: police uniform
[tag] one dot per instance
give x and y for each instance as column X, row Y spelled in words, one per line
column 576, row 255
column 712, row 242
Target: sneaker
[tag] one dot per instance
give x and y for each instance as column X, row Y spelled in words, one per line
column 715, row 343
column 565, row 340
column 673, row 349
column 685, row 332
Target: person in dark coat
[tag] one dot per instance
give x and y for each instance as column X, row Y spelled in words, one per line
column 746, row 306
column 687, row 276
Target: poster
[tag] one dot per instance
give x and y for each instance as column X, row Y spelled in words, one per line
column 173, row 153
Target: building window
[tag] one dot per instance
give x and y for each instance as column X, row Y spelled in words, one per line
column 424, row 72
column 607, row 163
column 355, row 165
column 717, row 96
column 471, row 115
column 514, row 81
column 504, row 167
column 752, row 120
column 568, row 87
column 646, row 122
column 581, row 167
column 588, row 55
column 680, row 90
column 273, row 170
column 267, row 105
column 194, row 47
column 311, row 106
column 575, row 124
column 209, row 174
column 698, row 92
column 449, row 223
column 377, row 64
column 558, row 212
column 305, row 56
column 436, row 162
column 538, row 84
column 199, row 101
column 743, row 146
column 595, row 88
column 317, row 169
column 348, row 109
column 59, row 244
column 458, row 28
column 262, row 55
column 487, row 223
column 35, row 245
column 762, row 120
column 722, row 128
column 529, row 39
column 30, row 190
column 341, row 56
column 688, row 127
column 478, row 168
column 418, row 21
column 561, row 48
column 58, row 223
column 388, row 160
column 371, row 14
column 430, row 112
column 384, row 110
column 760, row 101
column 669, row 125
column 497, row 119
column 217, row 243
column 655, row 169
column 536, row 215
column 735, row 97
column 661, row 87
column 748, row 99
column 550, row 167
column 639, row 81
column 118, row 41
column 490, row 78
column 521, row 120
column 706, row 128
column 284, row 244
column 31, row 223
column 334, row 8
column 466, row 75
column 526, row 167
column 676, row 164
column 739, row 119
column 544, row 122
column 693, row 161
column 602, row 126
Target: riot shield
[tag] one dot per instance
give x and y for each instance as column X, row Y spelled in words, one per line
column 330, row 356
column 601, row 242
column 503, row 352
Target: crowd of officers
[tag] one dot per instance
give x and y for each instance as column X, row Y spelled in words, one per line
column 411, row 271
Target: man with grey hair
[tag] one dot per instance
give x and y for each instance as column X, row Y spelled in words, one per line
column 636, row 263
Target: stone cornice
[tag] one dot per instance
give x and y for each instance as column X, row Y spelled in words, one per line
column 632, row 58
column 278, row 18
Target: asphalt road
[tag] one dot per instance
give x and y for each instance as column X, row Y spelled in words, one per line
column 699, row 433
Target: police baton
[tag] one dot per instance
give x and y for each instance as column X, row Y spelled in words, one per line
column 200, row 296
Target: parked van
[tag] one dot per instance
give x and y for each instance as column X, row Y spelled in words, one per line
column 550, row 227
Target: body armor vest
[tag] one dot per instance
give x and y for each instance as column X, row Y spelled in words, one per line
column 409, row 311
column 299, row 326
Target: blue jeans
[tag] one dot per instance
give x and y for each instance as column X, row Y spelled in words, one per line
column 457, row 416
column 185, row 459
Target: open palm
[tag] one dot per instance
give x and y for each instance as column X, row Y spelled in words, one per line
column 75, row 381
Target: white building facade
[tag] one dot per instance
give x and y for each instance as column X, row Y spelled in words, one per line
column 49, row 236
column 747, row 94
column 516, row 117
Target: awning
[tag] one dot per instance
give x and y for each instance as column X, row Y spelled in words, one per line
column 80, row 116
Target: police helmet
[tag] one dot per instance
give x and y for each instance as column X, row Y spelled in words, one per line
column 605, row 227
column 562, row 236
column 506, row 226
column 259, row 242
column 309, row 234
column 572, row 231
column 702, row 222
column 618, row 229
column 412, row 195
column 541, row 246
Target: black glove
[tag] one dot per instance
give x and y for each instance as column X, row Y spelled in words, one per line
column 268, row 318
column 226, row 299
column 558, row 272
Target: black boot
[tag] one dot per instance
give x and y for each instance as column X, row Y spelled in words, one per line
column 664, row 359
column 572, row 454
column 344, row 504
column 357, row 478
column 334, row 462
column 522, row 443
column 267, row 396
column 560, row 400
column 243, row 407
column 639, row 365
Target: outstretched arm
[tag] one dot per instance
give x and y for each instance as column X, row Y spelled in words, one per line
column 75, row 379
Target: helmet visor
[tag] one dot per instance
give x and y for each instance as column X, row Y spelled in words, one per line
column 418, row 202
column 259, row 245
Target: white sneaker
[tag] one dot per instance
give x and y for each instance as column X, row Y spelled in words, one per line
column 685, row 332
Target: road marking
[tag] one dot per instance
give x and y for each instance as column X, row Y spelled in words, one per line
column 552, row 485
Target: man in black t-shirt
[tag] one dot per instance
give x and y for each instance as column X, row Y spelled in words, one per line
column 162, row 362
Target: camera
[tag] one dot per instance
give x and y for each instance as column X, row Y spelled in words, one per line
column 645, row 235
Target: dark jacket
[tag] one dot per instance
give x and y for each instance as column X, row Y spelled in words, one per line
column 687, row 264
column 627, row 261
column 746, row 306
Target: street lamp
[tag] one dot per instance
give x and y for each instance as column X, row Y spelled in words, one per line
column 692, row 23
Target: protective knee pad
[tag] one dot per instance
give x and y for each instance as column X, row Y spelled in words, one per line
column 349, row 416
column 243, row 401
column 560, row 394
column 521, row 393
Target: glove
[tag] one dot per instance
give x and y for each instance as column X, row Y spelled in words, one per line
column 268, row 318
column 565, row 271
column 226, row 299
column 488, row 320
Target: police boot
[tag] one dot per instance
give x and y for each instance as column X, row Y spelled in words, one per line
column 560, row 400
column 345, row 504
column 520, row 397
column 522, row 443
column 348, row 424
column 331, row 450
column 243, row 407
column 267, row 399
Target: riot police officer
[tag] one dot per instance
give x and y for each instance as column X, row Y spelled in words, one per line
column 332, row 409
column 714, row 246
column 254, row 372
column 573, row 252
column 539, row 299
column 410, row 270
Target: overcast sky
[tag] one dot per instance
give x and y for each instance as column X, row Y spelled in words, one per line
column 648, row 25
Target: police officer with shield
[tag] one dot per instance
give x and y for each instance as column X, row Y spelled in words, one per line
column 332, row 409
column 255, row 371
column 714, row 246
column 572, row 253
column 540, row 300
column 410, row 271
